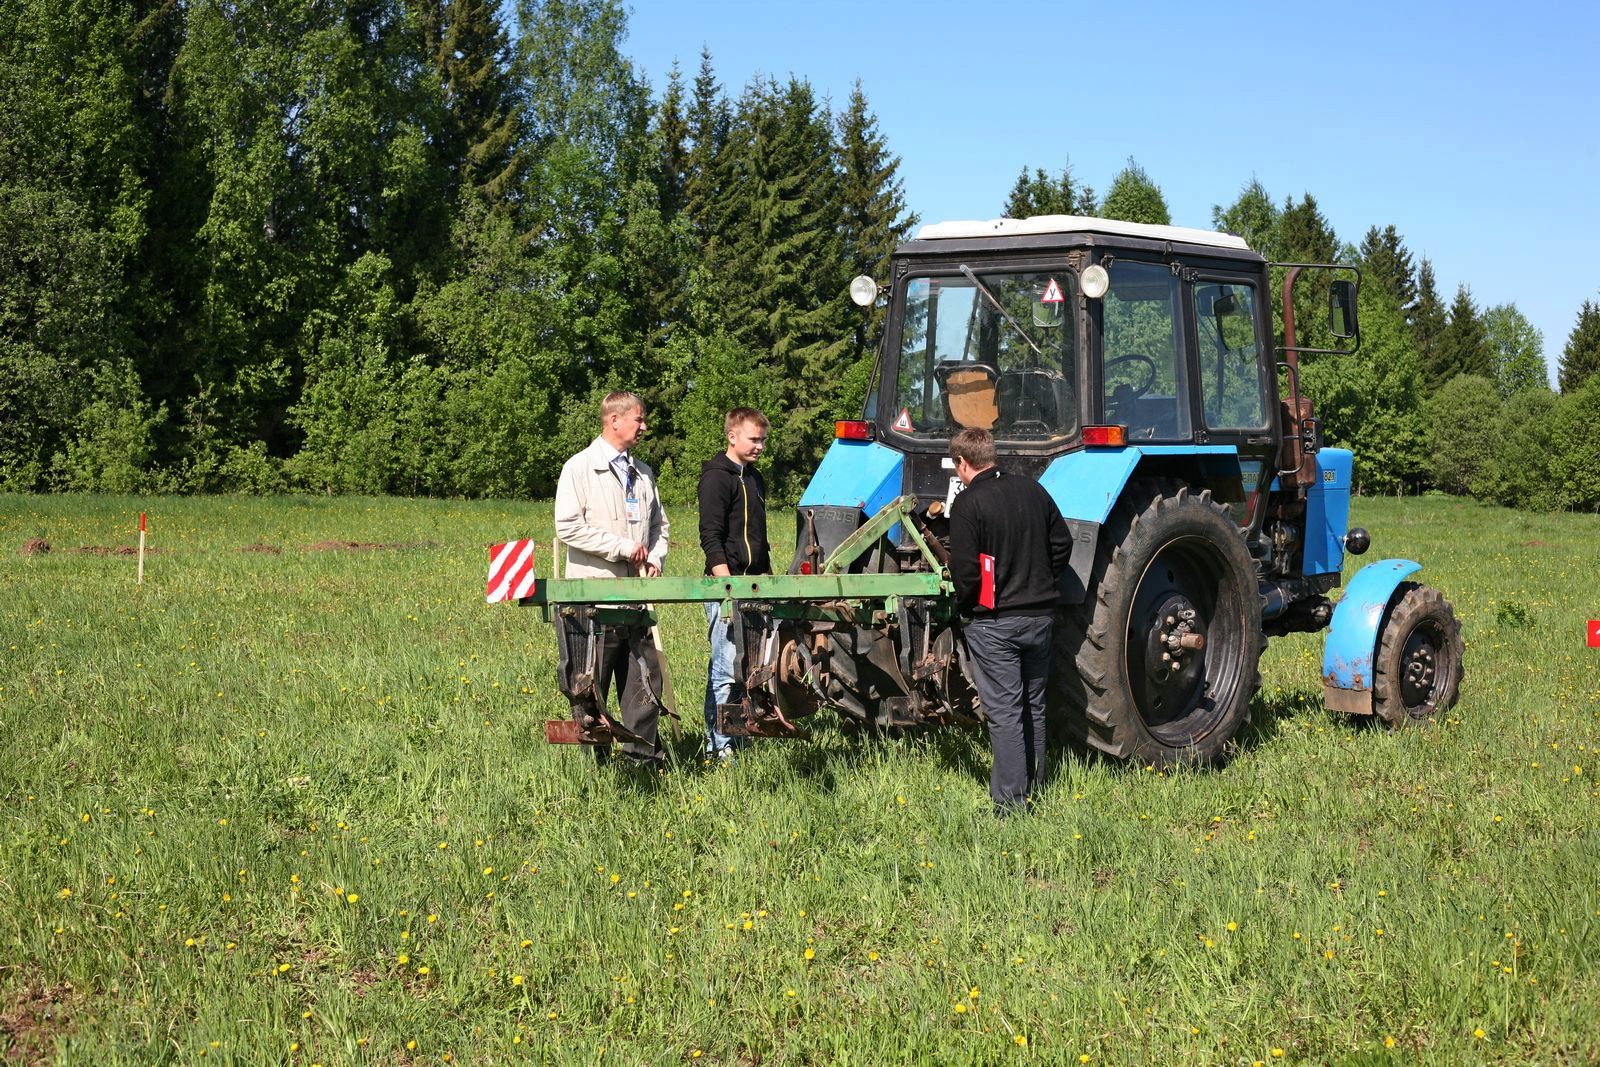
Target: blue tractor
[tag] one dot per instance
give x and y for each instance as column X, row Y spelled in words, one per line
column 1132, row 370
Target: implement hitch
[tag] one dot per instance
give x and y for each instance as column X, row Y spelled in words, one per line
column 781, row 630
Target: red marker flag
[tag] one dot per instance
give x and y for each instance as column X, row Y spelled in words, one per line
column 1594, row 633
column 511, row 574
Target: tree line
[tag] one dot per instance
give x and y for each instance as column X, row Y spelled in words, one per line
column 402, row 246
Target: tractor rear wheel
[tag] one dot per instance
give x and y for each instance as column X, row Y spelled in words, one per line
column 1417, row 670
column 1160, row 662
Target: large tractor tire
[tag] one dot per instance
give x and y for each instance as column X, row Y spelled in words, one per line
column 1418, row 667
column 1127, row 679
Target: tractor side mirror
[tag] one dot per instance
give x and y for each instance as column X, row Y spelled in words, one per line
column 1342, row 308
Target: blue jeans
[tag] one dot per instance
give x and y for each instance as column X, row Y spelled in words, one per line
column 720, row 682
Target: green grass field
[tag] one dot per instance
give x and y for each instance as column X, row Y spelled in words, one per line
column 293, row 805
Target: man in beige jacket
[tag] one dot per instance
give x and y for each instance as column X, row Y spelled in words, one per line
column 609, row 515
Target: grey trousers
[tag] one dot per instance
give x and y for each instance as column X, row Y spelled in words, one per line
column 1011, row 657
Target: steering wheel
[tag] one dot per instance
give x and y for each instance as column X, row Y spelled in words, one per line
column 1143, row 387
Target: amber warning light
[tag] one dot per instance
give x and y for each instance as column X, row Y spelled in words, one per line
column 852, row 430
column 1105, row 435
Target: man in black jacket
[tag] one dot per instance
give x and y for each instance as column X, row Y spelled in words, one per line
column 1008, row 549
column 733, row 535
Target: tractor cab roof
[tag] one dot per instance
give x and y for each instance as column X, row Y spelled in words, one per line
column 1062, row 231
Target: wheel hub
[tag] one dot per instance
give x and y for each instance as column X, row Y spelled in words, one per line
column 1173, row 639
column 1418, row 670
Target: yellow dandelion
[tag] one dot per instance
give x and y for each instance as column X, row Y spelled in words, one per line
column 1388, row 1041
column 516, row 979
column 873, row 956
column 1021, row 1041
column 960, row 1008
column 1232, row 926
column 1277, row 1053
column 811, row 953
column 352, row 897
column 1479, row 1034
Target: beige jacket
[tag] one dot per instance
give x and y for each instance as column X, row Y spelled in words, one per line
column 592, row 519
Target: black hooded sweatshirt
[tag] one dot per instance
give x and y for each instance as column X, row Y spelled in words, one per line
column 733, row 517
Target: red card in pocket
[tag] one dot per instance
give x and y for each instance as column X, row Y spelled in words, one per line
column 986, row 580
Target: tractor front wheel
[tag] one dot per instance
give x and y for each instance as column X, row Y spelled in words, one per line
column 1417, row 670
column 1159, row 664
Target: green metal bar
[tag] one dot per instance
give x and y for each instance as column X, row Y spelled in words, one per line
column 814, row 587
column 867, row 534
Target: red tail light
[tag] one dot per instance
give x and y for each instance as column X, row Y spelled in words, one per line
column 852, row 430
column 805, row 567
column 1105, row 435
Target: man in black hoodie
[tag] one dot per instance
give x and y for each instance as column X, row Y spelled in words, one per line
column 1008, row 549
column 733, row 534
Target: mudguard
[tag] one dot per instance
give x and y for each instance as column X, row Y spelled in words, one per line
column 858, row 475
column 1087, row 484
column 1352, row 641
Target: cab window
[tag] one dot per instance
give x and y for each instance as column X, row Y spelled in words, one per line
column 1143, row 378
column 1232, row 387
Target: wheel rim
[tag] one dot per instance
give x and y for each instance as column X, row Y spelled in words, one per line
column 1184, row 591
column 1422, row 667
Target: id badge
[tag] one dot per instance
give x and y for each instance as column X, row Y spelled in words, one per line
column 634, row 509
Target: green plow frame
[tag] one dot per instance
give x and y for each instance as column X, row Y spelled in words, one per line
column 832, row 594
column 582, row 608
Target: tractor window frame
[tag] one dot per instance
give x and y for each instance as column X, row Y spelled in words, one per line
column 1179, row 299
column 1073, row 362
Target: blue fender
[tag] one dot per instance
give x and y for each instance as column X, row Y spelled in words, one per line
column 1086, row 484
column 856, row 474
column 1352, row 642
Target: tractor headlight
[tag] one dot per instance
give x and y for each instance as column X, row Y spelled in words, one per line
column 1094, row 282
column 863, row 290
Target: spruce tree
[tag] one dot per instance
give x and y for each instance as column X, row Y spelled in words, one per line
column 468, row 48
column 1462, row 347
column 1427, row 320
column 872, row 196
column 1134, row 197
column 1040, row 194
column 1387, row 263
column 1304, row 236
column 1580, row 358
column 672, row 137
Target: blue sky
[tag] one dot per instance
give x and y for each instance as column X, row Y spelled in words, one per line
column 1473, row 128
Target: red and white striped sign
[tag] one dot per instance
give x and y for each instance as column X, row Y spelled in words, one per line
column 510, row 571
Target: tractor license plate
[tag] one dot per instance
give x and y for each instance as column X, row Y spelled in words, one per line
column 953, row 492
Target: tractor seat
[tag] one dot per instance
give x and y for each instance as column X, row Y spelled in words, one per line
column 1036, row 401
column 969, row 391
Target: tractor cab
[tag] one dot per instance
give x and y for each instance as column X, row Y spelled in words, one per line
column 1064, row 335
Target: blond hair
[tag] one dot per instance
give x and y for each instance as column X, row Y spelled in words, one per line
column 619, row 402
column 739, row 416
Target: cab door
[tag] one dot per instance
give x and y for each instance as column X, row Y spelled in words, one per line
column 1233, row 375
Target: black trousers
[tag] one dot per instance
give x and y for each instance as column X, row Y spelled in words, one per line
column 628, row 661
column 1011, row 658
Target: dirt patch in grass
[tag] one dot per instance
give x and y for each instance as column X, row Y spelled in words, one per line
column 106, row 550
column 270, row 550
column 35, row 546
column 366, row 546
column 30, row 1022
